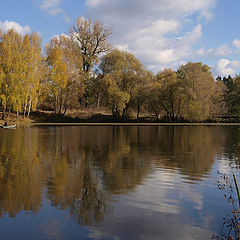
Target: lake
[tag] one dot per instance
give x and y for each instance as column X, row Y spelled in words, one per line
column 115, row 182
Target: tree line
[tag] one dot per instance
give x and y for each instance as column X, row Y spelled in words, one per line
column 82, row 69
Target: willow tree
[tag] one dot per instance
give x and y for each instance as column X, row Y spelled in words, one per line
column 126, row 72
column 117, row 99
column 153, row 99
column 166, row 95
column 140, row 94
column 199, row 89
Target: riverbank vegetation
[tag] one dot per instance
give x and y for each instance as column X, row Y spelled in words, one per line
column 81, row 71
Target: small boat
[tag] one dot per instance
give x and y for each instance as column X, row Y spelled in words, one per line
column 10, row 126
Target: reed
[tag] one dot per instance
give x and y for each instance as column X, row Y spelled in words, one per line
column 231, row 223
column 236, row 186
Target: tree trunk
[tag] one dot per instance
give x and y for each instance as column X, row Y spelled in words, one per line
column 9, row 111
column 98, row 101
column 55, row 106
column 29, row 108
column 65, row 109
column 138, row 109
column 60, row 105
column 125, row 110
column 25, row 109
column 60, row 109
column 115, row 113
column 3, row 115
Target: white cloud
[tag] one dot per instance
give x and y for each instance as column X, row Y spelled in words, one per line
column 165, row 50
column 122, row 47
column 52, row 8
column 50, row 4
column 225, row 67
column 222, row 51
column 154, row 30
column 236, row 44
column 59, row 36
column 159, row 28
column 163, row 8
column 93, row 3
column 6, row 25
column 55, row 11
column 235, row 64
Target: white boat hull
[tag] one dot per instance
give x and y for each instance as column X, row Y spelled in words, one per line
column 9, row 127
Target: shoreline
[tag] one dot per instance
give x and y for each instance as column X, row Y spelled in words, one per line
column 45, row 119
column 128, row 124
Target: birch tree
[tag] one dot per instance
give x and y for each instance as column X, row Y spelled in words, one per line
column 71, row 85
column 12, row 64
column 33, row 74
column 58, row 76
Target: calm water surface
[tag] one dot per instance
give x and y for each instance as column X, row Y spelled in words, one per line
column 114, row 182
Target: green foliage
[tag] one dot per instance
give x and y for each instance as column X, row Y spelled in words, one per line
column 198, row 87
column 117, row 99
column 165, row 95
column 125, row 75
column 232, row 94
column 189, row 94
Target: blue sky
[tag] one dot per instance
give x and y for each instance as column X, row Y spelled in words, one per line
column 161, row 33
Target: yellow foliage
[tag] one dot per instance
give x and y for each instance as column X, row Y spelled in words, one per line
column 20, row 58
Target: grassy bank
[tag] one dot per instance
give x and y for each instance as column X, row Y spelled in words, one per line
column 97, row 117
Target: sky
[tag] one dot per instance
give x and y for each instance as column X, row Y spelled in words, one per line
column 161, row 33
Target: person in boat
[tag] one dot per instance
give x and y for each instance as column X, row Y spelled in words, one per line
column 5, row 124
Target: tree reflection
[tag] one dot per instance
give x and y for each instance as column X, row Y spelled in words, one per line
column 38, row 162
column 190, row 150
column 78, row 168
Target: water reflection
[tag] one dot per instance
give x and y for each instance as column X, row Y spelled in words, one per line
column 83, row 169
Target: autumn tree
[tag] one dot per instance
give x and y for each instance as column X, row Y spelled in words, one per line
column 166, row 95
column 20, row 64
column 152, row 98
column 32, row 68
column 189, row 94
column 12, row 65
column 232, row 94
column 91, row 40
column 2, row 97
column 198, row 87
column 64, row 60
column 116, row 98
column 58, row 76
column 123, row 74
column 142, row 91
column 219, row 104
